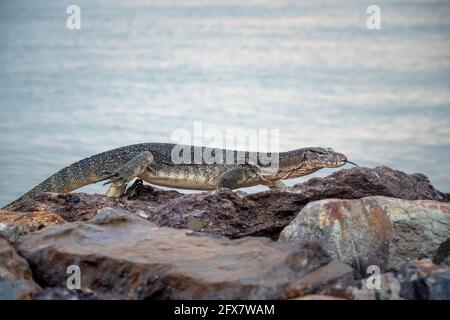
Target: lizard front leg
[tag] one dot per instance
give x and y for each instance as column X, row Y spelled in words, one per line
column 238, row 177
column 120, row 177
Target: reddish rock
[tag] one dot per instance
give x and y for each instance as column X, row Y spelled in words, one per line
column 16, row 224
column 124, row 256
column 16, row 282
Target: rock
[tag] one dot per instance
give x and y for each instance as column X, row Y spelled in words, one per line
column 15, row 224
column 233, row 214
column 380, row 231
column 128, row 252
column 389, row 289
column 334, row 275
column 442, row 255
column 15, row 275
column 72, row 207
column 124, row 256
column 220, row 212
column 416, row 280
column 424, row 281
column 360, row 182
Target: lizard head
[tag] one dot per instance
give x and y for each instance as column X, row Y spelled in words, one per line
column 304, row 161
column 324, row 158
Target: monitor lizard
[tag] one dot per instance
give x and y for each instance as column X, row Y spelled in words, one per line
column 154, row 163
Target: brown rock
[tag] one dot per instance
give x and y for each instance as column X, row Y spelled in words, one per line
column 227, row 213
column 15, row 275
column 380, row 231
column 360, row 182
column 124, row 256
column 16, row 224
column 143, row 200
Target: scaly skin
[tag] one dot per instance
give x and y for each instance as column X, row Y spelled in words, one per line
column 152, row 162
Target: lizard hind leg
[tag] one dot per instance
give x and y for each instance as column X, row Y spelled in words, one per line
column 119, row 178
column 237, row 177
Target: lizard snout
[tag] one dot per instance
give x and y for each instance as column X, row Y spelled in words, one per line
column 339, row 159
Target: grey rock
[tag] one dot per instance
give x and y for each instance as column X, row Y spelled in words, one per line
column 381, row 231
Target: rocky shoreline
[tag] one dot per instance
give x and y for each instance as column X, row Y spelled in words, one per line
column 315, row 240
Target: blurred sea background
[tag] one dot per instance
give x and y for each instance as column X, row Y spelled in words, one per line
column 138, row 70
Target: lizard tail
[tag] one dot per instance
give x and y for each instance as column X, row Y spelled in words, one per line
column 70, row 178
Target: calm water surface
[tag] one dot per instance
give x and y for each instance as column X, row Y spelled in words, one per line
column 138, row 70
